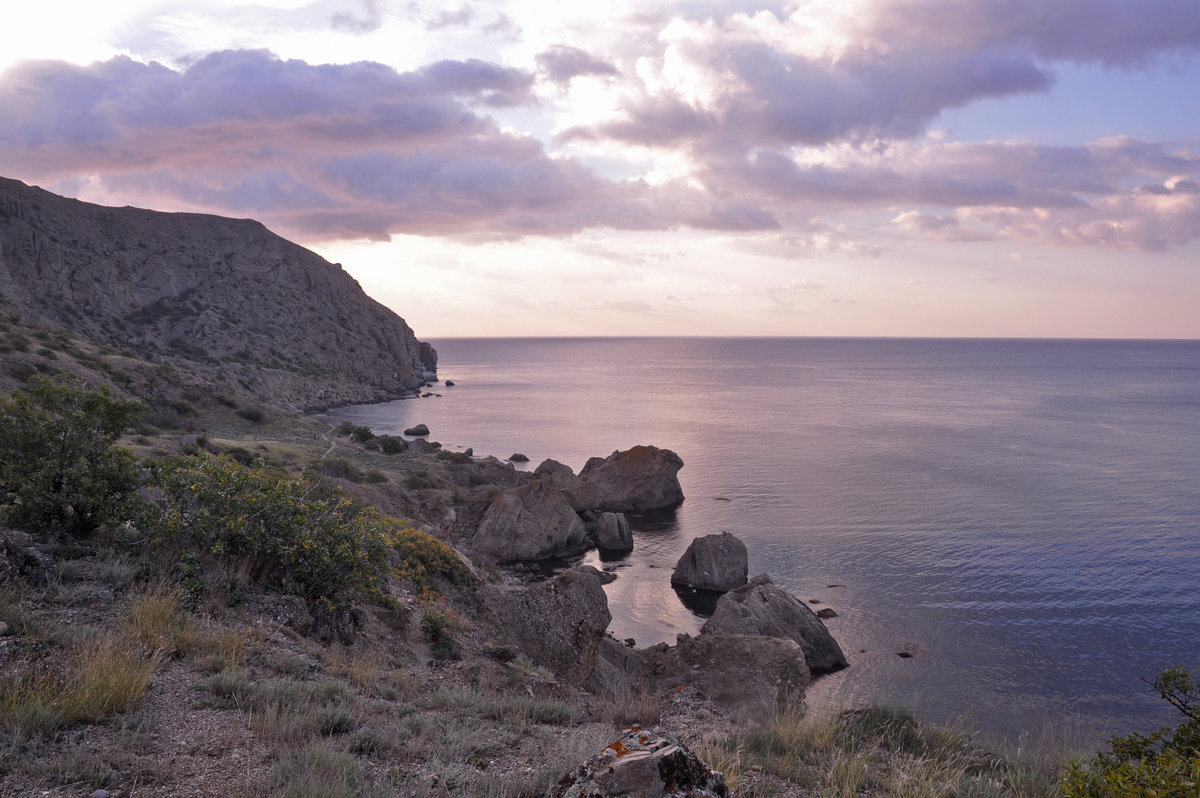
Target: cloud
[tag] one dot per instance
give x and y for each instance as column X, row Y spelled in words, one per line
column 370, row 21
column 561, row 62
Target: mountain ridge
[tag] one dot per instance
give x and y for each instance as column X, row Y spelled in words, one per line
column 225, row 299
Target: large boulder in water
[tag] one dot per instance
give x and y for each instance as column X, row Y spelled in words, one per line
column 713, row 562
column 613, row 533
column 761, row 608
column 558, row 623
column 639, row 479
column 531, row 522
column 641, row 763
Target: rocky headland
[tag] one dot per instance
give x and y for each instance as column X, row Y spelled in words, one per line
column 452, row 667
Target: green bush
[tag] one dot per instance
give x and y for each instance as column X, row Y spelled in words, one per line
column 423, row 557
column 294, row 537
column 390, row 444
column 58, row 465
column 439, row 628
column 1165, row 762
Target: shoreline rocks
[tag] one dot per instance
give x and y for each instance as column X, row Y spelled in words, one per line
column 761, row 608
column 713, row 562
column 633, row 481
column 530, row 522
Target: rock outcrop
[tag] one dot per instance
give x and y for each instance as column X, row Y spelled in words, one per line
column 639, row 479
column 612, row 532
column 642, row 764
column 761, row 608
column 713, row 562
column 558, row 623
column 245, row 307
column 530, row 522
column 748, row 675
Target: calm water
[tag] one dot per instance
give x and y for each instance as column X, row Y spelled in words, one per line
column 1026, row 514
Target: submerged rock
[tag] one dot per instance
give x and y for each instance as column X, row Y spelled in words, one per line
column 761, row 608
column 713, row 562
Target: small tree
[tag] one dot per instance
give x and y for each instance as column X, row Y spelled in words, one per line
column 1165, row 762
column 58, row 466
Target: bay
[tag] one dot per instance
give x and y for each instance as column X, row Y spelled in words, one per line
column 1024, row 515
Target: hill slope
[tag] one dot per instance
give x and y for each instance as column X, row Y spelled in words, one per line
column 226, row 298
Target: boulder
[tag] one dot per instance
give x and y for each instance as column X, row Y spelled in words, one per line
column 761, row 608
column 642, row 764
column 639, row 479
column 530, row 522
column 612, row 532
column 750, row 676
column 418, row 430
column 517, row 457
column 713, row 562
column 558, row 623
column 557, row 474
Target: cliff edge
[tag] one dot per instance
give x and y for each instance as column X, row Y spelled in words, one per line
column 227, row 298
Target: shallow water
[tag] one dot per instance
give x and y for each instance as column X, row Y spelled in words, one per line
column 1025, row 514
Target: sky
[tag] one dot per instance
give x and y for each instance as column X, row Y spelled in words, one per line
column 960, row 168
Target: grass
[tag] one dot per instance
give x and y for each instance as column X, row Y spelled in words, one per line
column 104, row 675
column 319, row 769
column 877, row 751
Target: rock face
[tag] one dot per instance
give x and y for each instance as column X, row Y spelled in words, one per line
column 641, row 764
column 225, row 294
column 639, row 479
column 761, row 608
column 749, row 675
column 612, row 532
column 713, row 562
column 558, row 623
column 531, row 522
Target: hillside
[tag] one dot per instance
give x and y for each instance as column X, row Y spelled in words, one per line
column 225, row 301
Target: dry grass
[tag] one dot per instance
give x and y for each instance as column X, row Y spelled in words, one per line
column 104, row 675
column 359, row 666
column 635, row 708
column 878, row 751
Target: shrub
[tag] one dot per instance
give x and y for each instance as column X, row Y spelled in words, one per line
column 254, row 415
column 423, row 557
column 58, row 465
column 390, row 444
column 439, row 628
column 1164, row 762
column 295, row 538
column 339, row 467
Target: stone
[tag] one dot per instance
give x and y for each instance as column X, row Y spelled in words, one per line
column 557, row 474
column 530, row 522
column 449, row 383
column 750, row 676
column 418, row 430
column 604, row 576
column 826, row 613
column 643, row 764
column 612, row 532
column 634, row 481
column 712, row 562
column 558, row 623
column 517, row 457
column 761, row 608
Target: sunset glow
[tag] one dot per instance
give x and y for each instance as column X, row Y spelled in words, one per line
column 881, row 167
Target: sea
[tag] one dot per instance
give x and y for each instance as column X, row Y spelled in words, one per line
column 1020, row 517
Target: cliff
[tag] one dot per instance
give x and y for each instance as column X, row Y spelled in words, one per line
column 226, row 298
